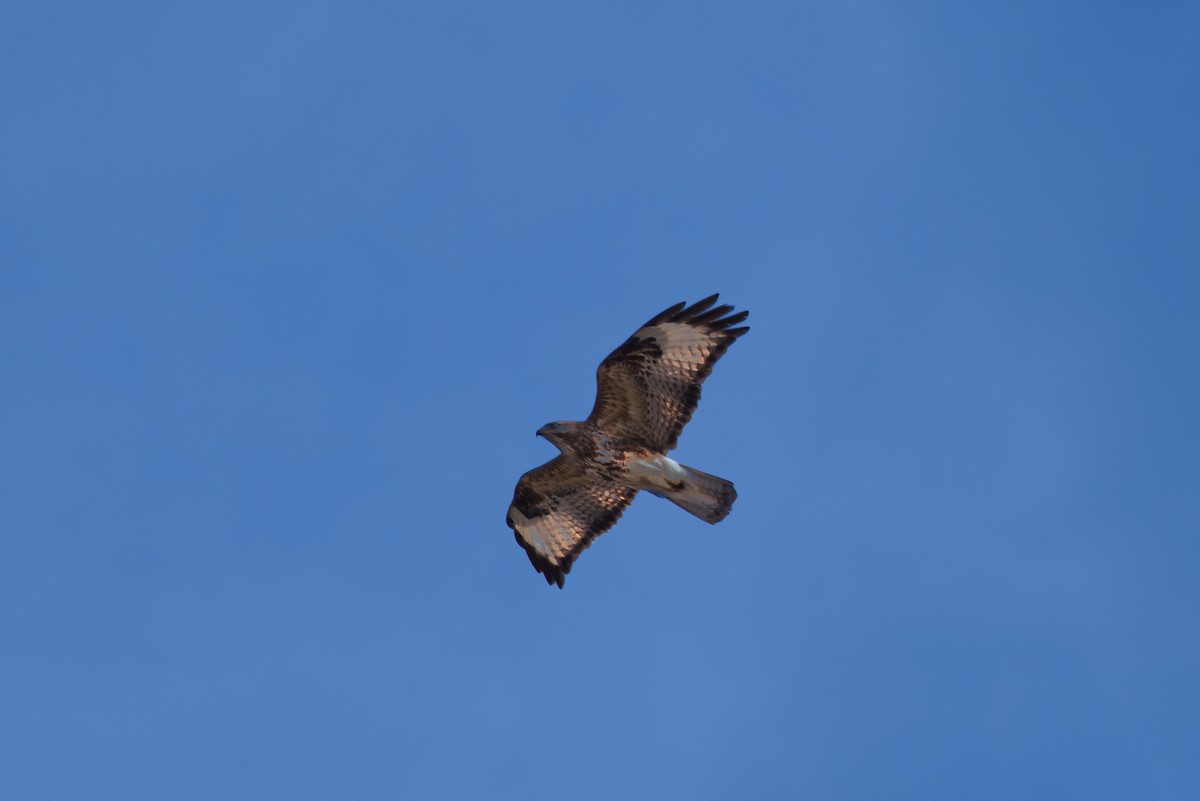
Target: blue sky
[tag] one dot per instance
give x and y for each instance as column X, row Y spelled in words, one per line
column 286, row 288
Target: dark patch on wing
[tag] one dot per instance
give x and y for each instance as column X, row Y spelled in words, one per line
column 529, row 502
column 644, row 349
column 605, row 520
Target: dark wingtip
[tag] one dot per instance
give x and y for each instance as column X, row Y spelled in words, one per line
column 699, row 313
column 554, row 575
column 665, row 314
column 711, row 315
column 732, row 319
column 693, row 311
column 713, row 319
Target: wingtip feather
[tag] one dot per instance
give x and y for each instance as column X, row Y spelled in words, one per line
column 712, row 315
column 691, row 312
column 665, row 314
column 732, row 319
column 699, row 313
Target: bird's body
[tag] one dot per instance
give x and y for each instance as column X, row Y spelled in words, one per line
column 647, row 390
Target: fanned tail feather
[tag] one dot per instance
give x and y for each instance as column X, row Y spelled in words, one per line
column 707, row 497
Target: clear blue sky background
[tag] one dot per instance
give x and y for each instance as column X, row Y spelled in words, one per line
column 286, row 288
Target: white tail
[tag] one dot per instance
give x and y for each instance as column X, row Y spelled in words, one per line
column 707, row 497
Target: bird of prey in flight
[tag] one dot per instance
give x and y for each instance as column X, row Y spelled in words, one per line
column 646, row 391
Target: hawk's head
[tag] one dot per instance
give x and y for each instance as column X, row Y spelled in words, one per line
column 562, row 433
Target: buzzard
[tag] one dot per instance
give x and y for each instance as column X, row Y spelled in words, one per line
column 646, row 391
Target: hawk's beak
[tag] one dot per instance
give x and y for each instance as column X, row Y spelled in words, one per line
column 541, row 432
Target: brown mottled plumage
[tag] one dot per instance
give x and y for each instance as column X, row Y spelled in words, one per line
column 647, row 390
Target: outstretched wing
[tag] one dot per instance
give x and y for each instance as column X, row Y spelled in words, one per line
column 558, row 509
column 649, row 387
